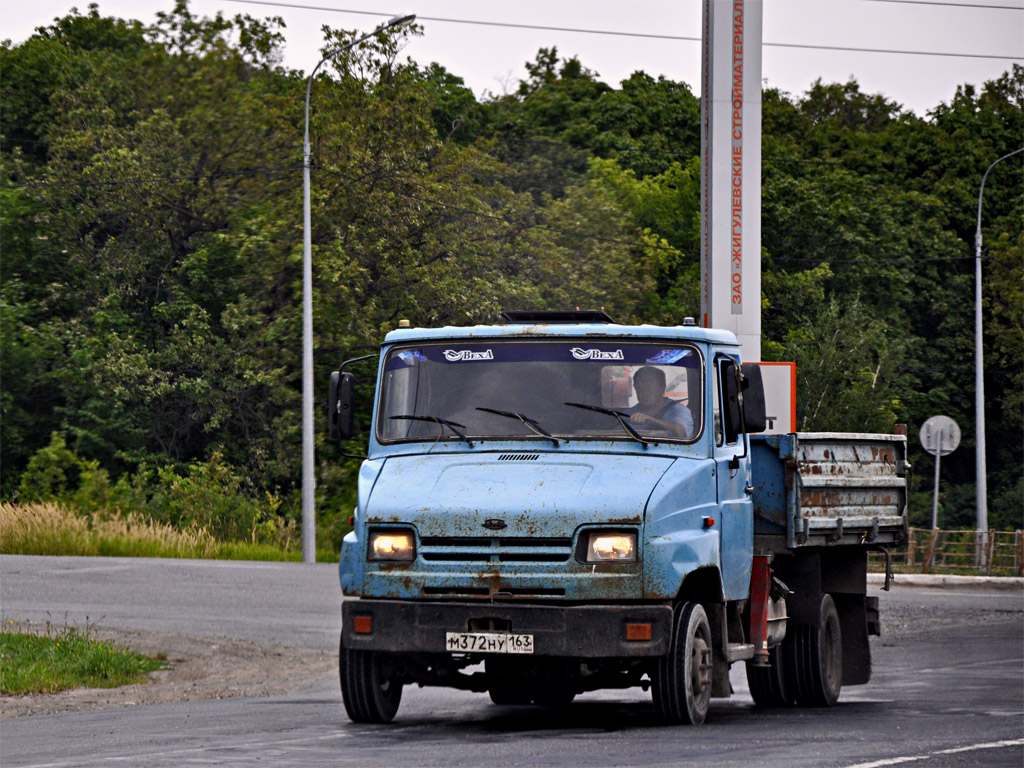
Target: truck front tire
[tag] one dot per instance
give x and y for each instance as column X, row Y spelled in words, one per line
column 370, row 691
column 681, row 684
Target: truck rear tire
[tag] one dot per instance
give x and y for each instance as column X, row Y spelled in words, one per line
column 370, row 692
column 815, row 658
column 681, row 684
column 769, row 686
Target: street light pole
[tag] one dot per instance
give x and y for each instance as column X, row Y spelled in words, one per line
column 308, row 476
column 979, row 377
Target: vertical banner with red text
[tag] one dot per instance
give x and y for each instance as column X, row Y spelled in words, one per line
column 731, row 170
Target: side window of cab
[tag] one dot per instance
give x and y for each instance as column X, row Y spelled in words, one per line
column 724, row 391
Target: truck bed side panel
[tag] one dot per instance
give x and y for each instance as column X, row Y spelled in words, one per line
column 825, row 488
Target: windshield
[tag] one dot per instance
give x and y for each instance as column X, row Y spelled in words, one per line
column 542, row 390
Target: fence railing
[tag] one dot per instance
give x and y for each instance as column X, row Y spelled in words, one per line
column 991, row 553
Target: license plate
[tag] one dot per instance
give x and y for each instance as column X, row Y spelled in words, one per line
column 488, row 642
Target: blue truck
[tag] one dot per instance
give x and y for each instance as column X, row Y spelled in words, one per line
column 559, row 504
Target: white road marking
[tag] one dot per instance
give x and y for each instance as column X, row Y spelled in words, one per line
column 990, row 745
column 953, row 751
column 889, row 761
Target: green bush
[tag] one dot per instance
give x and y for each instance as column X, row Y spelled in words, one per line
column 52, row 472
column 209, row 495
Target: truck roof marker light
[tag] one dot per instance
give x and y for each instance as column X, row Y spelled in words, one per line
column 362, row 625
column 404, row 324
column 555, row 317
column 638, row 632
column 709, row 522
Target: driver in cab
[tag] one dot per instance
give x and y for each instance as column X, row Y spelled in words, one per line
column 655, row 411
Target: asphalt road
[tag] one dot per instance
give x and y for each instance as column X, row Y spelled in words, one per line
column 948, row 688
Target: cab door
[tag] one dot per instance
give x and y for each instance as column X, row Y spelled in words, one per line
column 732, row 471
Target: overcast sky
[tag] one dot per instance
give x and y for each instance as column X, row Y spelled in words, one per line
column 491, row 58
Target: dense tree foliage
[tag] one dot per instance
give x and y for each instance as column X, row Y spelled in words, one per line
column 150, row 206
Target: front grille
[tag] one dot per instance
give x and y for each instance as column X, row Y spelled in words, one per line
column 475, row 591
column 485, row 592
column 500, row 549
column 454, row 541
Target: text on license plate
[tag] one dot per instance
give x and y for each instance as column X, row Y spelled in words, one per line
column 488, row 642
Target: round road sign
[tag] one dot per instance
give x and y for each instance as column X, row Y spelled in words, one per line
column 940, row 435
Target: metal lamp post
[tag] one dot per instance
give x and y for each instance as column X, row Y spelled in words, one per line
column 979, row 372
column 308, row 477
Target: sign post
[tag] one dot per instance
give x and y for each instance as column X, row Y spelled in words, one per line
column 940, row 436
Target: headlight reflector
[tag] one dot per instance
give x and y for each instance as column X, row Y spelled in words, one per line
column 392, row 545
column 611, row 547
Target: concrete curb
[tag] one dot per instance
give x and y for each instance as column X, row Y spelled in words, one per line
column 945, row 581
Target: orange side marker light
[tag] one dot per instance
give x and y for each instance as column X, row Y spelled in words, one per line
column 639, row 632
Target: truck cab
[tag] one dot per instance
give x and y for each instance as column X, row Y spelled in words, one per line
column 551, row 506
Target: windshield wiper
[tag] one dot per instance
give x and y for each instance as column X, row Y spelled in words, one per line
column 452, row 425
column 622, row 419
column 531, row 424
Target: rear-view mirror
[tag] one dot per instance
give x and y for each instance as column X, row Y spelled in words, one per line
column 755, row 418
column 340, row 406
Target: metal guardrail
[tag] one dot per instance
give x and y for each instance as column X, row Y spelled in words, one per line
column 990, row 553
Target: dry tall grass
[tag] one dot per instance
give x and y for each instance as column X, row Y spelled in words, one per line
column 53, row 529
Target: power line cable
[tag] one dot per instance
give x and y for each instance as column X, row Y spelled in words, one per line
column 644, row 35
column 949, row 4
column 897, row 51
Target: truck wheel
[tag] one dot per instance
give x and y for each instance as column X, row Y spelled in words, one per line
column 370, row 693
column 815, row 658
column 769, row 686
column 681, row 684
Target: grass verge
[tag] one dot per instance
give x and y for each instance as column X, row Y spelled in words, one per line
column 65, row 658
column 53, row 529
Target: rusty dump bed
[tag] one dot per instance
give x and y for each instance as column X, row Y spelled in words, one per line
column 829, row 489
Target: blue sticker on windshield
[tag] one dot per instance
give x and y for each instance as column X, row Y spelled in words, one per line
column 409, row 357
column 668, row 356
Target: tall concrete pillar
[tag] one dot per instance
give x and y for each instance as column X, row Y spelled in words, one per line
column 731, row 171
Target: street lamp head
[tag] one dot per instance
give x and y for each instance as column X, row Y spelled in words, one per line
column 397, row 20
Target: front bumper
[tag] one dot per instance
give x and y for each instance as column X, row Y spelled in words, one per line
column 587, row 631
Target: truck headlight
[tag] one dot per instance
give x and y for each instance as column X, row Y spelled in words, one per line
column 392, row 545
column 611, row 547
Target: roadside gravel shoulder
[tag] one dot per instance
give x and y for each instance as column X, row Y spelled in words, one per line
column 195, row 668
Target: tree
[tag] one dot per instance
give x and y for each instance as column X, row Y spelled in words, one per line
column 151, row 277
